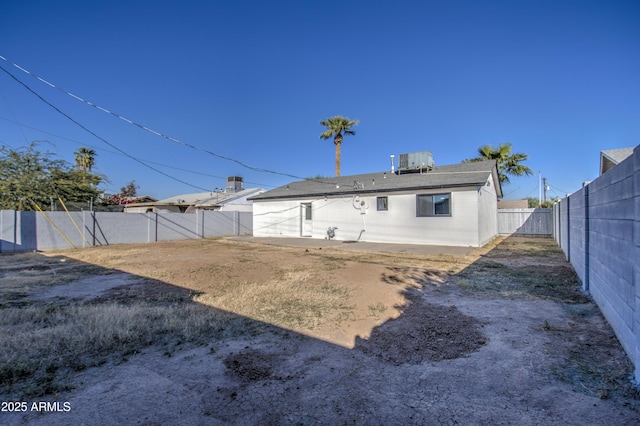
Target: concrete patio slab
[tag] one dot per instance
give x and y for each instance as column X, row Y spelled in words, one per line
column 358, row 245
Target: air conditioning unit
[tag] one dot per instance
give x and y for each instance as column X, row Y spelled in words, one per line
column 415, row 161
column 235, row 184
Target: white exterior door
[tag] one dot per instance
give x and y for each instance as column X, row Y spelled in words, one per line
column 306, row 228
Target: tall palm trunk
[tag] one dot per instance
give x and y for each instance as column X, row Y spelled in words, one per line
column 338, row 141
column 84, row 168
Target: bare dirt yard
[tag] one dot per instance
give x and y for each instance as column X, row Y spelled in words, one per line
column 232, row 331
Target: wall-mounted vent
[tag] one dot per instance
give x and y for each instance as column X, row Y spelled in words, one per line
column 415, row 161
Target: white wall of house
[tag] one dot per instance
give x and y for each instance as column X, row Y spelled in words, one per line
column 142, row 209
column 237, row 207
column 357, row 217
column 277, row 218
column 167, row 209
column 487, row 213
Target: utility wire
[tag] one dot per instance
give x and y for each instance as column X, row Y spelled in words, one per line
column 559, row 189
column 117, row 153
column 511, row 192
column 95, row 135
column 155, row 132
column 14, row 116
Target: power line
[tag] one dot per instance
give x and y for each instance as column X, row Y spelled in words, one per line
column 96, row 136
column 511, row 192
column 559, row 189
column 117, row 153
column 14, row 116
column 155, row 132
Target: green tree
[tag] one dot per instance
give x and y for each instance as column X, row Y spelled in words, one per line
column 29, row 176
column 336, row 126
column 85, row 159
column 75, row 185
column 508, row 164
column 534, row 202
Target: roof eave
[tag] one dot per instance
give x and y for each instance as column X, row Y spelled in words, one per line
column 365, row 191
column 496, row 182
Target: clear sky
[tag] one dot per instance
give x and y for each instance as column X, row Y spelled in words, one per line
column 250, row 80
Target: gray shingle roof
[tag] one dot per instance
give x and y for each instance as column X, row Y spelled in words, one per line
column 612, row 157
column 618, row 155
column 452, row 176
column 200, row 199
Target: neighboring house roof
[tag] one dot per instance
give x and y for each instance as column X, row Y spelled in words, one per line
column 228, row 197
column 202, row 199
column 513, row 204
column 456, row 175
column 122, row 200
column 611, row 157
column 141, row 199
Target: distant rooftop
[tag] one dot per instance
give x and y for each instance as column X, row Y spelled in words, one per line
column 611, row 157
column 201, row 199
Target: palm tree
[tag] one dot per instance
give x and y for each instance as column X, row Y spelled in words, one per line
column 507, row 163
column 336, row 126
column 85, row 159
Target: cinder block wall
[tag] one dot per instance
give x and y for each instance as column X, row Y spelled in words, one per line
column 599, row 232
column 17, row 231
column 29, row 231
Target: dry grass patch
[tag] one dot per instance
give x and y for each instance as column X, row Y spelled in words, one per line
column 298, row 300
column 43, row 346
column 532, row 268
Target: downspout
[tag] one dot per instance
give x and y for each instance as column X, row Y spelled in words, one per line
column 362, row 213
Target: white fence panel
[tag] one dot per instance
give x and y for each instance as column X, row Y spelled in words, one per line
column 535, row 222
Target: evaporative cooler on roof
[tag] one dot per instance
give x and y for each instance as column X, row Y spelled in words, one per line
column 415, row 161
column 235, row 184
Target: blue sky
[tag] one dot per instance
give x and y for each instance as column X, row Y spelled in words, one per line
column 250, row 80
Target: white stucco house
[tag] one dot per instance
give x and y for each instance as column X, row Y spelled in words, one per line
column 446, row 205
